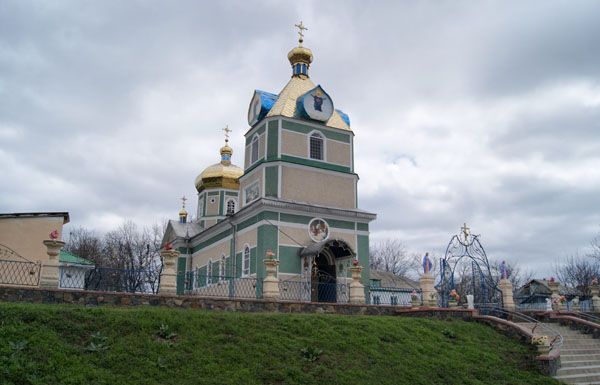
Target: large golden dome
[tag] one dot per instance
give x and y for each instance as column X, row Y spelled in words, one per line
column 221, row 175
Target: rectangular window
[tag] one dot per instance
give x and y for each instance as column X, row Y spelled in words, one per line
column 254, row 150
column 394, row 300
column 376, row 300
column 246, row 262
column 316, row 146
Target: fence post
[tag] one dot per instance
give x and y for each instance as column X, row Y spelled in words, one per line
column 357, row 289
column 470, row 301
column 270, row 282
column 168, row 276
column 49, row 278
column 555, row 288
column 595, row 299
column 506, row 288
column 429, row 294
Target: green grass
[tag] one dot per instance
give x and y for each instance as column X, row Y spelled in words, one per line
column 53, row 344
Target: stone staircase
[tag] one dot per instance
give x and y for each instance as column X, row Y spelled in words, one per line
column 579, row 355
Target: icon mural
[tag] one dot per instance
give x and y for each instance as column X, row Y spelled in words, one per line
column 318, row 230
column 316, row 104
column 318, row 99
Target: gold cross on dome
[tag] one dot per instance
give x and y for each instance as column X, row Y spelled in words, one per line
column 301, row 29
column 227, row 130
column 183, row 199
column 465, row 230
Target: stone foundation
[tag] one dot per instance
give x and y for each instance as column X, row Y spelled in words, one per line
column 98, row 298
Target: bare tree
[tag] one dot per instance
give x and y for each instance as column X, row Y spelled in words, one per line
column 85, row 244
column 391, row 255
column 577, row 272
column 126, row 259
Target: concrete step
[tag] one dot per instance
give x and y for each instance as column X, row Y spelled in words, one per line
column 566, row 358
column 578, row 351
column 588, row 369
column 584, row 378
column 577, row 363
column 571, row 345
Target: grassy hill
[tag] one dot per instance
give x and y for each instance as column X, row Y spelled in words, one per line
column 52, row 344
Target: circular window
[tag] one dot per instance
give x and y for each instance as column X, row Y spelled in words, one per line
column 318, row 230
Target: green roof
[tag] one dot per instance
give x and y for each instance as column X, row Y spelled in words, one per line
column 67, row 257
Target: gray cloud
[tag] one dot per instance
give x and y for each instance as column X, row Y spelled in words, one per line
column 480, row 112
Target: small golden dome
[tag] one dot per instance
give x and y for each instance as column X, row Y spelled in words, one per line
column 300, row 55
column 182, row 212
column 223, row 174
column 226, row 150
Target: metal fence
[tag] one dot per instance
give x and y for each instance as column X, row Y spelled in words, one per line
column 305, row 291
column 19, row 273
column 109, row 279
column 298, row 291
column 531, row 306
column 223, row 286
column 392, row 296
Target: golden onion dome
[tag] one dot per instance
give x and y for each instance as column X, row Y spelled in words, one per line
column 221, row 175
column 300, row 55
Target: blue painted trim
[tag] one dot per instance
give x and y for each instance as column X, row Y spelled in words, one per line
column 344, row 117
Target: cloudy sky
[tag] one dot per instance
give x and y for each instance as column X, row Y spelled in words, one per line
column 482, row 112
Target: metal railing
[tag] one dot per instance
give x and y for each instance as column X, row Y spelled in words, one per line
column 305, row 291
column 294, row 290
column 19, row 273
column 586, row 317
column 223, row 286
column 392, row 296
column 531, row 306
column 108, row 279
column 537, row 327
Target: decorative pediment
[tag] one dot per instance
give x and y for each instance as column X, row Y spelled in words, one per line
column 316, row 104
column 260, row 105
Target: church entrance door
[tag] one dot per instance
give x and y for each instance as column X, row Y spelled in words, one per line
column 323, row 280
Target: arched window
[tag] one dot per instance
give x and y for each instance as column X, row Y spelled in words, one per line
column 230, row 207
column 316, row 146
column 254, row 149
column 246, row 261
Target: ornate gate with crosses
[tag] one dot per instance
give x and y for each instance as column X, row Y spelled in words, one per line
column 465, row 268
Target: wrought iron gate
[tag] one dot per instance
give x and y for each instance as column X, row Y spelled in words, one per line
column 465, row 268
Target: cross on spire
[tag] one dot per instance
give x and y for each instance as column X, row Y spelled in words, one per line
column 183, row 199
column 227, row 130
column 301, row 29
column 465, row 230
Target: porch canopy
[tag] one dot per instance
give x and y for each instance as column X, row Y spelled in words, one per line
column 338, row 247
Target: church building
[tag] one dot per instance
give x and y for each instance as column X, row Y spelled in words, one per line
column 296, row 196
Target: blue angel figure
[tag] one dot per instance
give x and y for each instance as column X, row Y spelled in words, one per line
column 427, row 265
column 504, row 273
column 318, row 99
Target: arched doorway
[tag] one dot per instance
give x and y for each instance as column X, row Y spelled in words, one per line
column 323, row 278
column 320, row 260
